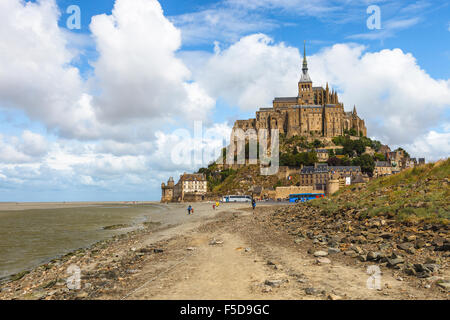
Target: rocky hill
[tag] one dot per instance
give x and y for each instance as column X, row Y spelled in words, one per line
column 398, row 222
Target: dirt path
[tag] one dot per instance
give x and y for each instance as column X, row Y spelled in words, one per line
column 235, row 257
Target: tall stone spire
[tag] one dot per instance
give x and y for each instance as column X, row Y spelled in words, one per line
column 305, row 76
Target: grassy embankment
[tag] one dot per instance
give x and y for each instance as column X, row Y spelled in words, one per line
column 421, row 194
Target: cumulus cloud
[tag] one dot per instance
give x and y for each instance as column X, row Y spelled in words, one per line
column 30, row 147
column 251, row 72
column 137, row 71
column 35, row 71
column 398, row 99
column 433, row 146
column 137, row 79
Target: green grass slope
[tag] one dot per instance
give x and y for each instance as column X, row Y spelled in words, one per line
column 421, row 194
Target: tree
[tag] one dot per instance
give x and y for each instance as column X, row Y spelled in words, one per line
column 379, row 157
column 317, row 143
column 331, row 153
column 366, row 163
column 359, row 146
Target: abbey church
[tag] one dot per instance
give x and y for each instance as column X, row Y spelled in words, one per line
column 314, row 112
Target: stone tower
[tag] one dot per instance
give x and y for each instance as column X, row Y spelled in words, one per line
column 333, row 184
column 305, row 89
column 167, row 191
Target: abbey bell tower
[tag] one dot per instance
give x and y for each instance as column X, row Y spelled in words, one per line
column 305, row 90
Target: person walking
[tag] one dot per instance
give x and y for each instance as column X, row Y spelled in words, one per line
column 253, row 204
column 189, row 209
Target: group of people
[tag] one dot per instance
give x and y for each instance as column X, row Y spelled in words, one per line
column 190, row 209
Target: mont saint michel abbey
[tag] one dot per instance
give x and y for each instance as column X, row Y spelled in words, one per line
column 315, row 111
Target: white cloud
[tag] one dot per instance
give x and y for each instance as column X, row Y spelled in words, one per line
column 35, row 71
column 251, row 72
column 137, row 72
column 398, row 99
column 33, row 144
column 432, row 146
column 220, row 23
column 138, row 81
column 28, row 148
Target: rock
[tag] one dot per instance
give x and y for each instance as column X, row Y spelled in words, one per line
column 362, row 258
column 214, row 242
column 333, row 250
column 419, row 244
column 444, row 285
column 411, row 251
column 358, row 250
column 443, row 247
column 332, row 296
column 82, row 295
column 350, row 253
column 323, row 260
column 392, row 262
column 273, row 283
column 320, row 254
column 373, row 256
column 410, row 238
column 191, row 248
column 409, row 269
column 267, row 289
column 49, row 284
column 299, row 240
column 158, row 250
column 405, row 246
column 432, row 267
column 312, row 291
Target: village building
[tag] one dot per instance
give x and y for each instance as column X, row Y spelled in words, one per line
column 318, row 175
column 322, row 155
column 190, row 187
column 382, row 168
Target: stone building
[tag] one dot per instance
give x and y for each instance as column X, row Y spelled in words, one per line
column 318, row 175
column 382, row 168
column 322, row 155
column 190, row 187
column 167, row 190
column 315, row 111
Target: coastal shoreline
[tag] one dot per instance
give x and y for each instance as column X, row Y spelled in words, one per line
column 147, row 227
column 230, row 253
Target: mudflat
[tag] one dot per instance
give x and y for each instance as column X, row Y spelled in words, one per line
column 13, row 206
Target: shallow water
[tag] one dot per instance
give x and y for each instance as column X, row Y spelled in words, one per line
column 29, row 238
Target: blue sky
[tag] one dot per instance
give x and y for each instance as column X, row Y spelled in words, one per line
column 94, row 114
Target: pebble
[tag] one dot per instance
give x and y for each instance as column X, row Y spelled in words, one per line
column 444, row 285
column 312, row 291
column 333, row 250
column 320, row 254
column 323, row 260
column 273, row 283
